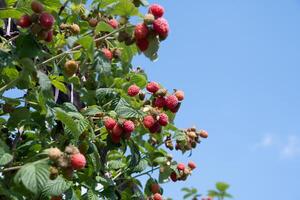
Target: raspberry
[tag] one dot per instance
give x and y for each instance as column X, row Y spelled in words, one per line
column 192, row 165
column 155, row 128
column 133, row 90
column 142, row 44
column 107, row 53
column 173, row 176
column 171, row 101
column 117, row 130
column 49, row 36
column 157, row 196
column 203, row 134
column 116, row 138
column 141, row 31
column 113, row 23
column 149, row 18
column 46, row 20
column 152, row 87
column 175, row 110
column 24, row 21
column 54, row 153
column 109, row 123
column 156, row 10
column 179, row 94
column 78, row 161
column 155, row 188
column 161, row 27
column 159, row 102
column 163, row 119
column 128, row 126
column 75, row 29
column 93, row 22
column 71, row 67
column 180, row 166
column 149, row 121
column 37, row 7
column 56, row 198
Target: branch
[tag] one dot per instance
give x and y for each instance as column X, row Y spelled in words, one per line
column 63, row 7
column 11, row 168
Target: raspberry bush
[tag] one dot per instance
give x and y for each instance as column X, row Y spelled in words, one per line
column 87, row 123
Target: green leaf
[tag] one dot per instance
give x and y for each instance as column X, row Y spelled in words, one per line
column 103, row 27
column 102, row 64
column 5, row 158
column 88, row 44
column 92, row 195
column 212, row 193
column 10, row 13
column 125, row 8
column 143, row 164
column 27, row 46
column 139, row 79
column 151, row 52
column 44, row 81
column 33, row 176
column 51, row 4
column 124, row 110
column 21, row 114
column 55, row 187
column 116, row 164
column 221, row 186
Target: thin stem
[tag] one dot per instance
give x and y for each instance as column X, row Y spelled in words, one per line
column 8, row 86
column 11, row 168
column 57, row 56
column 147, row 172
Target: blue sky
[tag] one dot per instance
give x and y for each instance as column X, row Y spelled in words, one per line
column 238, row 63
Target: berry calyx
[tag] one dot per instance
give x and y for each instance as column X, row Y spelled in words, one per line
column 128, row 126
column 157, row 196
column 109, row 123
column 71, row 67
column 142, row 44
column 163, row 119
column 54, row 153
column 107, row 53
column 171, row 101
column 24, row 21
column 155, row 188
column 180, row 166
column 192, row 165
column 161, row 27
column 133, row 90
column 117, row 130
column 152, row 87
column 179, row 94
column 46, row 20
column 173, row 176
column 113, row 23
column 156, row 10
column 148, row 121
column 141, row 31
column 78, row 161
column 159, row 102
column 37, row 7
column 149, row 18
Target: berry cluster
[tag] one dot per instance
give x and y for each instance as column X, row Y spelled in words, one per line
column 93, row 21
column 154, row 25
column 182, row 172
column 70, row 29
column 40, row 22
column 119, row 130
column 69, row 160
column 156, row 192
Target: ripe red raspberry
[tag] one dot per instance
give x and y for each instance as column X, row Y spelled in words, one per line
column 161, row 27
column 49, row 36
column 142, row 44
column 149, row 121
column 116, row 139
column 117, row 130
column 141, row 31
column 156, row 10
column 46, row 20
column 180, row 166
column 157, row 196
column 37, row 7
column 78, row 161
column 203, row 133
column 173, row 176
column 109, row 123
column 163, row 119
column 171, row 101
column 155, row 188
column 24, row 21
column 192, row 165
column 175, row 110
column 107, row 53
column 113, row 23
column 179, row 94
column 128, row 126
column 152, row 87
column 133, row 90
column 155, row 128
column 159, row 102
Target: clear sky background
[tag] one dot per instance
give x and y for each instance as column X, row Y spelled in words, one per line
column 238, row 63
